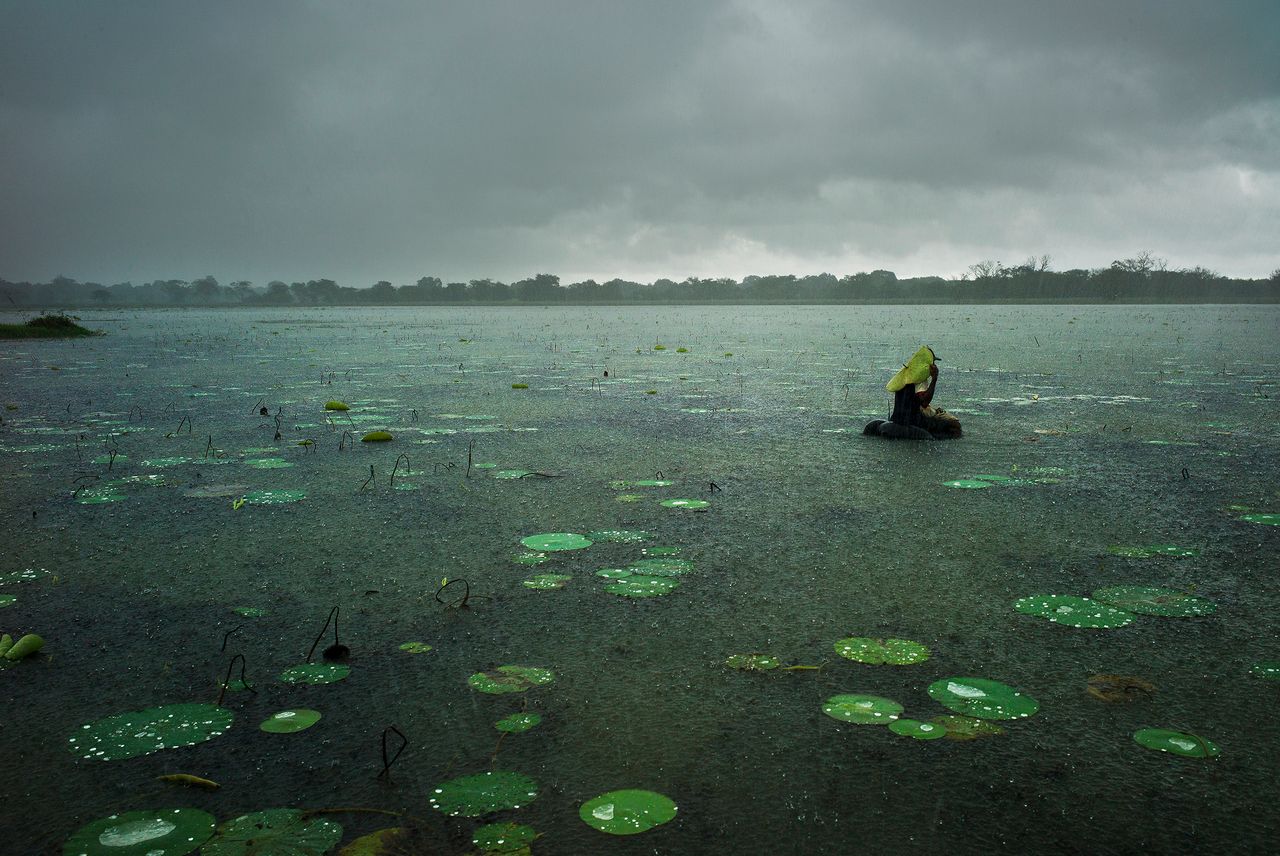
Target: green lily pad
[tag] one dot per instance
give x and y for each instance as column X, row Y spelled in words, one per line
column 994, row 479
column 618, row 536
column 107, row 459
column 967, row 484
column 623, row 485
column 1153, row 550
column 661, row 552
column 504, row 838
column 1073, row 611
column 642, row 585
column 530, row 558
column 518, row 722
column 316, row 673
column 753, row 662
column 98, row 497
column 141, row 732
column 377, row 437
column 249, row 611
column 862, row 709
column 392, row 841
column 290, row 721
column 274, row 832
column 627, row 812
column 274, row 497
column 964, row 728
column 551, row 542
column 982, row 698
column 268, row 463
column 1268, row 519
column 615, row 573
column 167, row 462
column 1266, row 669
column 879, row 652
column 662, row 567
column 7, row 600
column 1150, row 600
column 685, row 503
column 166, row 832
column 1175, row 742
column 415, row 647
column 510, row 679
column 546, row 582
column 918, row 730
column 483, row 793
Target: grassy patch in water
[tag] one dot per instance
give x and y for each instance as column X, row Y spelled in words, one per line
column 47, row 327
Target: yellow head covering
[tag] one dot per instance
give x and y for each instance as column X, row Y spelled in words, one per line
column 915, row 371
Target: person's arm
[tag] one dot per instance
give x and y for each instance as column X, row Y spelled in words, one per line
column 926, row 397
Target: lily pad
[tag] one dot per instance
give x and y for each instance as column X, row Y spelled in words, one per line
column 167, row 832
column 623, row 485
column 316, row 673
column 693, row 504
column 1073, row 611
column 249, row 611
column 878, row 652
column 99, row 496
column 615, row 573
column 918, row 730
column 627, row 812
column 862, row 709
column 995, row 479
column 1266, row 669
column 377, row 437
column 274, row 832
column 510, row 679
column 1150, row 600
column 982, row 698
column 546, row 582
column 1153, row 550
column 483, row 793
column 268, row 463
column 967, row 484
column 415, row 647
column 642, row 585
column 167, row 462
column 1268, row 519
column 662, row 567
column 753, row 662
column 392, row 841
column 550, row 542
column 336, row 405
column 964, row 728
column 274, row 497
column 1175, row 742
column 7, row 600
column 290, row 721
column 141, row 732
column 1120, row 688
column 618, row 536
column 518, row 722
column 504, row 838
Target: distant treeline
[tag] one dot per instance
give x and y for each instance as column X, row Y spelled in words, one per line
column 1143, row 279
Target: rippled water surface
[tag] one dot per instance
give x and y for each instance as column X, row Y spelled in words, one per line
column 1124, row 426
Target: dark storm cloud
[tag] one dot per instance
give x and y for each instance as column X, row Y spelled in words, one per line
column 368, row 141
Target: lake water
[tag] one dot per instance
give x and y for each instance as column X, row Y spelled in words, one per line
column 1119, row 427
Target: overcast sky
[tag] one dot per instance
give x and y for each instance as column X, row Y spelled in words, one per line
column 392, row 140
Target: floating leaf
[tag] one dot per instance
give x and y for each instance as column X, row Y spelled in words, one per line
column 918, row 730
column 166, row 832
column 615, row 573
column 967, row 484
column 268, row 463
column 547, row 582
column 415, row 647
column 641, row 585
column 392, row 841
column 618, row 536
column 274, row 832
column 481, row 794
column 249, row 611
column 623, row 485
column 504, row 838
column 1175, row 742
column 627, row 812
column 1073, row 611
column 862, row 709
column 167, row 462
column 966, row 727
column 983, row 698
column 274, row 497
column 99, row 496
column 518, row 722
column 7, row 600
column 661, row 567
column 315, row 673
column 878, row 652
column 336, row 405
column 1120, row 688
column 1153, row 550
column 1268, row 519
column 377, row 437
column 510, row 679
column 1266, row 669
column 994, row 479
column 290, row 721
column 685, row 503
column 141, row 732
column 1150, row 600
column 555, row 541
column 753, row 662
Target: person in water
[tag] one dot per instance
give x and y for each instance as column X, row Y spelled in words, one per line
column 914, row 416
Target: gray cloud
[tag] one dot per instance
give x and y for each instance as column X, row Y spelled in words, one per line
column 292, row 140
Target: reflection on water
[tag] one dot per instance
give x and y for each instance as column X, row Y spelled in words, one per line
column 1114, row 427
